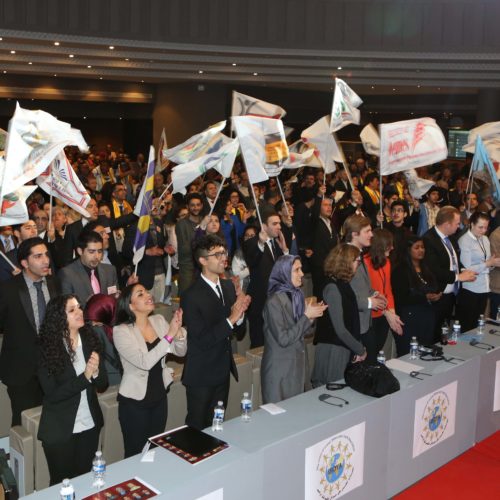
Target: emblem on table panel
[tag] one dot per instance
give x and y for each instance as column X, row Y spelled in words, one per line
column 335, row 465
column 435, row 418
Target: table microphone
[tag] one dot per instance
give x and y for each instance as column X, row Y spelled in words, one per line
column 476, row 343
column 325, row 397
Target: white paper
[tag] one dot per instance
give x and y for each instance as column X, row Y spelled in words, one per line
column 434, row 418
column 214, row 495
column 402, row 366
column 149, row 456
column 273, row 409
column 334, row 466
column 496, row 394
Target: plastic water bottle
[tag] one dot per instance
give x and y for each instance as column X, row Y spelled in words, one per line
column 99, row 469
column 218, row 417
column 455, row 333
column 381, row 357
column 246, row 408
column 445, row 332
column 498, row 314
column 67, row 491
column 414, row 348
column 480, row 325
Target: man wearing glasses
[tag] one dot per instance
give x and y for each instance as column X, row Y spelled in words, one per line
column 212, row 310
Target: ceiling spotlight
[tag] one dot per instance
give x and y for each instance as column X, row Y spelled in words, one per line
column 111, row 47
column 1, row 38
column 142, row 81
column 100, row 78
column 234, row 64
column 256, row 74
column 4, row 72
column 418, row 86
column 12, row 51
column 120, row 118
column 89, row 66
column 200, row 71
column 373, row 86
column 30, row 63
column 439, row 88
column 339, row 67
column 84, row 117
column 57, row 44
column 55, row 74
column 127, row 59
column 71, row 56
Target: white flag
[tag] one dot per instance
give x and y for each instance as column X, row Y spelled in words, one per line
column 410, row 144
column 371, row 140
column 60, row 180
column 246, row 105
column 195, row 146
column 263, row 145
column 35, row 139
column 300, row 154
column 416, row 185
column 162, row 161
column 490, row 134
column 222, row 160
column 318, row 136
column 344, row 108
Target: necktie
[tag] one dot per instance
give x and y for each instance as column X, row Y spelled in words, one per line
column 94, row 282
column 40, row 301
column 271, row 247
column 454, row 265
column 121, row 209
column 7, row 246
column 219, row 293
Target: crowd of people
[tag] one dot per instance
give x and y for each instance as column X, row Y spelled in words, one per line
column 76, row 315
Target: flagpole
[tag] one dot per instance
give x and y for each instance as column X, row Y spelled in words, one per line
column 217, row 195
column 166, row 189
column 51, row 195
column 380, row 195
column 7, row 260
column 344, row 162
column 282, row 195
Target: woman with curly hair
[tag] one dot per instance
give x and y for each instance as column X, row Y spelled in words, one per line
column 338, row 335
column 143, row 341
column 70, row 372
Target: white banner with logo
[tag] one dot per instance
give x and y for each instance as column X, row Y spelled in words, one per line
column 334, row 466
column 434, row 418
column 496, row 394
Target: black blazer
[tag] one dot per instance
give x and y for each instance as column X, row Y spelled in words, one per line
column 438, row 259
column 62, row 397
column 18, row 359
column 209, row 357
column 260, row 265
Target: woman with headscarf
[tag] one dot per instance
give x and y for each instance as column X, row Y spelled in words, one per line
column 100, row 313
column 287, row 318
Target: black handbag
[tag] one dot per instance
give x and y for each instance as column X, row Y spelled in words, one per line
column 372, row 379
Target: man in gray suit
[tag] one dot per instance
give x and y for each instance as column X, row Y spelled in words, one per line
column 87, row 275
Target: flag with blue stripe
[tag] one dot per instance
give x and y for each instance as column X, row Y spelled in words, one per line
column 481, row 162
column 143, row 209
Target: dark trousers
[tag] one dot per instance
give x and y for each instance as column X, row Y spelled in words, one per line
column 201, row 402
column 138, row 423
column 418, row 322
column 443, row 310
column 494, row 304
column 380, row 327
column 71, row 457
column 256, row 325
column 469, row 306
column 24, row 397
column 369, row 340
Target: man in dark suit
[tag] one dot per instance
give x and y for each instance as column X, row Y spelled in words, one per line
column 260, row 253
column 87, row 275
column 22, row 308
column 212, row 310
column 371, row 196
column 442, row 256
column 325, row 237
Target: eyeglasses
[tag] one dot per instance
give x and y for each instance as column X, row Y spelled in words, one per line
column 358, row 260
column 218, row 255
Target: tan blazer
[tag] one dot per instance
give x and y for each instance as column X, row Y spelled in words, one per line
column 137, row 360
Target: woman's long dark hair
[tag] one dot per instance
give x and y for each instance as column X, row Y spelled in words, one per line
column 123, row 312
column 54, row 339
column 415, row 282
column 381, row 241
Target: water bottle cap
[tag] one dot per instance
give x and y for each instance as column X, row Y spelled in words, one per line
column 98, row 453
column 245, row 394
column 219, row 403
column 65, row 482
column 381, row 352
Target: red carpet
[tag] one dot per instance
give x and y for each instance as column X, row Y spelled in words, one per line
column 473, row 475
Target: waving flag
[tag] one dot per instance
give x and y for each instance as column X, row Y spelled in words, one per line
column 35, row 139
column 481, row 164
column 344, row 108
column 410, row 144
column 162, row 161
column 371, row 140
column 195, row 146
column 300, row 155
column 61, row 181
column 490, row 135
column 222, row 160
column 319, row 137
column 143, row 209
column 244, row 105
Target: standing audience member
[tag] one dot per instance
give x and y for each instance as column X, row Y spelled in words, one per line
column 212, row 313
column 495, row 274
column 415, row 289
column 338, row 333
column 23, row 301
column 143, row 340
column 475, row 254
column 287, row 319
column 70, row 372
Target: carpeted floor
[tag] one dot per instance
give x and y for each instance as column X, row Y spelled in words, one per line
column 473, row 475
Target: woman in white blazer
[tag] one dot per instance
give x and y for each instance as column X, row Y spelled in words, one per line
column 143, row 341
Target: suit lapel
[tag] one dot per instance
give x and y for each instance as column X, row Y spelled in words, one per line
column 24, row 297
column 83, row 277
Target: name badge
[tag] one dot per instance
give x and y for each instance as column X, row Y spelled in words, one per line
column 112, row 290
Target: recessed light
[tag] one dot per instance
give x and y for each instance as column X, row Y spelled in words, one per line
column 339, row 67
column 111, row 47
column 151, row 61
column 55, row 74
column 393, row 90
column 418, row 86
column 234, row 64
column 142, row 81
column 1, row 38
column 127, row 59
column 373, row 86
column 200, row 71
column 30, row 63
column 256, row 74
column 12, row 51
column 89, row 66
column 71, row 56
column 120, row 118
column 100, row 78
column 57, row 44
column 84, row 117
column 439, row 88
column 4, row 72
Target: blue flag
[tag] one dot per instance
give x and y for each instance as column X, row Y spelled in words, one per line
column 481, row 162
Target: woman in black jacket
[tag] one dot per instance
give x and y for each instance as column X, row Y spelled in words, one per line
column 415, row 289
column 70, row 372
